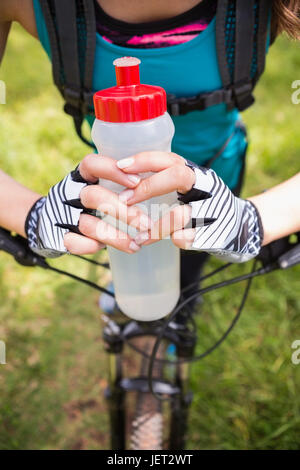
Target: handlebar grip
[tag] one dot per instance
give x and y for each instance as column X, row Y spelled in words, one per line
column 291, row 258
column 10, row 244
column 17, row 246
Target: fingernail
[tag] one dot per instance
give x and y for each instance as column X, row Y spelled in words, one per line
column 133, row 246
column 189, row 235
column 145, row 222
column 188, row 245
column 141, row 237
column 134, row 179
column 126, row 194
column 125, row 162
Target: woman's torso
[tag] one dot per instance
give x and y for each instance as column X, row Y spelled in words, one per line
column 185, row 69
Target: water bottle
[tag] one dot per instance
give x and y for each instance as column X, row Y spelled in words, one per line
column 131, row 118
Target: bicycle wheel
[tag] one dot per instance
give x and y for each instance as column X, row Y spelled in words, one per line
column 146, row 430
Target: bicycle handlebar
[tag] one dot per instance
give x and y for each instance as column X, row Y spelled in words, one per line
column 17, row 246
column 281, row 252
column 291, row 258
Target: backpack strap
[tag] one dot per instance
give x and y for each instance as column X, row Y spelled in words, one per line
column 250, row 23
column 240, row 64
column 177, row 106
column 244, row 39
column 66, row 25
column 221, row 20
column 265, row 7
column 72, row 77
column 47, row 13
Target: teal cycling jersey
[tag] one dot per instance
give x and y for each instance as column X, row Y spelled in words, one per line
column 183, row 70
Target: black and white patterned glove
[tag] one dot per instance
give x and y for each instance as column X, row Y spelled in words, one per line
column 53, row 216
column 236, row 234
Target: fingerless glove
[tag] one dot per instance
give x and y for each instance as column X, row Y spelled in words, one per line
column 53, row 216
column 237, row 233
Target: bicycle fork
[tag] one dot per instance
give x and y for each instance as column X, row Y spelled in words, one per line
column 181, row 402
column 114, row 393
column 114, row 336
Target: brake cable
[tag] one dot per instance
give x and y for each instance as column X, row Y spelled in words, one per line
column 92, row 261
column 34, row 260
column 208, row 350
column 80, row 279
column 153, row 359
column 38, row 261
column 203, row 278
column 198, row 293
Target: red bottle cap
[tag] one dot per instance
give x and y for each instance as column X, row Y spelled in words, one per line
column 129, row 101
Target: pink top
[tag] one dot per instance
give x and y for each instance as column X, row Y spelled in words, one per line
column 164, row 33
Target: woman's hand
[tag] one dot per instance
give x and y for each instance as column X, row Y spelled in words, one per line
column 170, row 174
column 222, row 224
column 64, row 221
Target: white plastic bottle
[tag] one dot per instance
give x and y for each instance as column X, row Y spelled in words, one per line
column 132, row 118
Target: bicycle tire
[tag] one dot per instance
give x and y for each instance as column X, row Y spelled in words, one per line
column 146, row 428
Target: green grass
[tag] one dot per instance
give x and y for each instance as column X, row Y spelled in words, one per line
column 245, row 394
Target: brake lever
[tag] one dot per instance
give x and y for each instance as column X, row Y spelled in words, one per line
column 17, row 246
column 290, row 258
column 282, row 253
